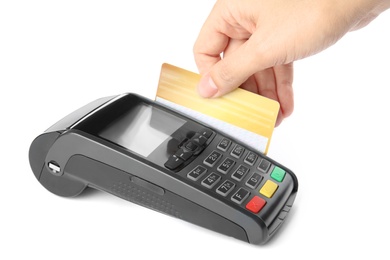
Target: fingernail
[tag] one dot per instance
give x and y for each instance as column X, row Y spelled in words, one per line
column 207, row 87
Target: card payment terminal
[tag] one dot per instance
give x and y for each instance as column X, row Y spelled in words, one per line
column 148, row 154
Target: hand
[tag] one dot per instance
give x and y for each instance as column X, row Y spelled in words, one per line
column 260, row 39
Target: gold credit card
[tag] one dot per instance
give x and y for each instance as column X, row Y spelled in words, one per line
column 248, row 117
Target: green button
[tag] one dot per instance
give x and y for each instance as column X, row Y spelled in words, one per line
column 278, row 174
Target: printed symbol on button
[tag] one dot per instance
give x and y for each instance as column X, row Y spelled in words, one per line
column 238, row 149
column 212, row 158
column 250, row 158
column 198, row 170
column 211, row 179
column 240, row 195
column 224, row 144
column 225, row 188
column 254, row 180
column 240, row 173
column 196, row 173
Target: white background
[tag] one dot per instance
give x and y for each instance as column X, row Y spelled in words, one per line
column 56, row 56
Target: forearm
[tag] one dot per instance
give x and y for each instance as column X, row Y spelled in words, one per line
column 359, row 13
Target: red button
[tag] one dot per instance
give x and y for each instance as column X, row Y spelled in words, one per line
column 255, row 204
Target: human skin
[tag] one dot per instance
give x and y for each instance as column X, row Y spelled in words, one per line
column 252, row 44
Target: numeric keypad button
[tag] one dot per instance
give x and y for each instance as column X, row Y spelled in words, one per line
column 211, row 180
column 226, row 187
column 250, row 158
column 254, row 180
column 212, row 159
column 240, row 172
column 264, row 165
column 240, row 195
column 237, row 151
column 226, row 165
column 196, row 173
column 224, row 144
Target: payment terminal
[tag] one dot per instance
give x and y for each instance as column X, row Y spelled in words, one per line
column 146, row 153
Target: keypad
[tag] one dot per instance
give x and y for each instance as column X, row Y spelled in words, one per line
column 236, row 174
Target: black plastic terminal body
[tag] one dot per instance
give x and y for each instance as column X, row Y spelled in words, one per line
column 73, row 155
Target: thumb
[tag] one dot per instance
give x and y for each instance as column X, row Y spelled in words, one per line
column 230, row 72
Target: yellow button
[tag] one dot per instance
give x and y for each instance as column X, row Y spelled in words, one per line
column 269, row 189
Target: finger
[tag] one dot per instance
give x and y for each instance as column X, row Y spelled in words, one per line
column 217, row 33
column 284, row 75
column 266, row 82
column 208, row 48
column 207, row 87
column 250, row 84
column 266, row 85
column 211, row 42
column 230, row 72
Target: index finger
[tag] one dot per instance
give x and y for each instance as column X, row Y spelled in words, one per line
column 211, row 42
